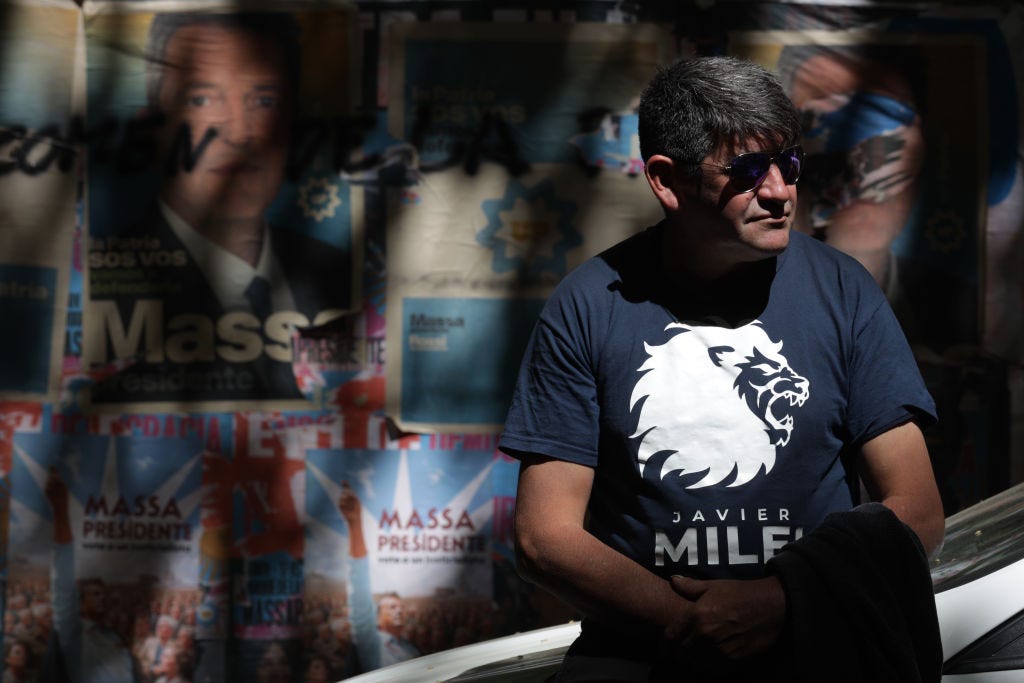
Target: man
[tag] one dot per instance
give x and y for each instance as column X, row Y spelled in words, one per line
column 168, row 666
column 386, row 643
column 395, row 647
column 704, row 393
column 153, row 647
column 229, row 284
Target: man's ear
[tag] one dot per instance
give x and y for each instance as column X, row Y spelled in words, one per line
column 663, row 175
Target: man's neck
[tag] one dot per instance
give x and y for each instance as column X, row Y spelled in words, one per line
column 702, row 286
column 686, row 255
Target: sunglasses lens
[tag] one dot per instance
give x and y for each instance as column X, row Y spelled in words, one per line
column 748, row 170
column 790, row 162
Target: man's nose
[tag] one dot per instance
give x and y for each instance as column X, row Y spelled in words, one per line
column 773, row 186
column 237, row 128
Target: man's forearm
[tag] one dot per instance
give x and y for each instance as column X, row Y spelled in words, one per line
column 554, row 550
column 600, row 582
column 927, row 521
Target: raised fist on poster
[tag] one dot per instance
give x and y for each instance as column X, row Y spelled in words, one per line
column 352, row 511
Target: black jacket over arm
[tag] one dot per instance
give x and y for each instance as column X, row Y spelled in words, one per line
column 860, row 602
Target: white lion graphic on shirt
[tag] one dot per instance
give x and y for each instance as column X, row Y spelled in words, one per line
column 719, row 400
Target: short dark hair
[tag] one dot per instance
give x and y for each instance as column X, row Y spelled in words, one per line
column 279, row 26
column 388, row 594
column 697, row 105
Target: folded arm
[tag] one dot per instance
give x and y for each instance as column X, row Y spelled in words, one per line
column 555, row 551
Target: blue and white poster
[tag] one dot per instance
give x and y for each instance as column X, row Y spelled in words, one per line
column 398, row 550
column 112, row 523
column 219, row 221
column 528, row 163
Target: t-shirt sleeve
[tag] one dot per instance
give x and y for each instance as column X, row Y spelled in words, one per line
column 554, row 409
column 886, row 388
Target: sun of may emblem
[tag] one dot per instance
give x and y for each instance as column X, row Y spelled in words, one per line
column 318, row 198
column 530, row 229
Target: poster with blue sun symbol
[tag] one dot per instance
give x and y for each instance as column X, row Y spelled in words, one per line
column 527, row 162
column 471, row 260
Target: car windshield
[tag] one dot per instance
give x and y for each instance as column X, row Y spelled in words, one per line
column 981, row 539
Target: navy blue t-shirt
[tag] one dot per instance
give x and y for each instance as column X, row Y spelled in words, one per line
column 721, row 422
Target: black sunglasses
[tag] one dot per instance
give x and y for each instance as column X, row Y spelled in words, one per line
column 748, row 171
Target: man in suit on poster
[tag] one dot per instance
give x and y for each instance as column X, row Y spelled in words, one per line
column 224, row 87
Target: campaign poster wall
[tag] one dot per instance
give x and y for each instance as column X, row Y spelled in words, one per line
column 38, row 164
column 218, row 221
column 528, row 164
column 406, row 534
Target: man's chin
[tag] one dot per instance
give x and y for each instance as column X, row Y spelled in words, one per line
column 772, row 242
column 222, row 216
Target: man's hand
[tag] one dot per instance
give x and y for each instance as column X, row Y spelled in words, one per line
column 352, row 511
column 736, row 618
column 349, row 505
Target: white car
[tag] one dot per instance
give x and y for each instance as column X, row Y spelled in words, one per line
column 979, row 591
column 979, row 595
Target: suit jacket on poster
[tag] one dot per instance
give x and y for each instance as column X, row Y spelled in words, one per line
column 165, row 275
